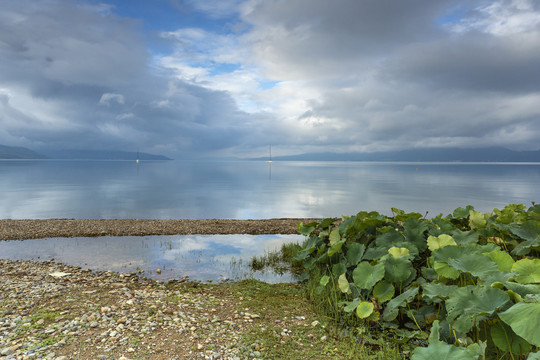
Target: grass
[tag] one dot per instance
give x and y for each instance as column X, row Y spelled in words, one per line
column 310, row 334
column 280, row 261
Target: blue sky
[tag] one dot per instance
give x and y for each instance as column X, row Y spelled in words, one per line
column 210, row 78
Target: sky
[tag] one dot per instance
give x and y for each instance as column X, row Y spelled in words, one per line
column 220, row 78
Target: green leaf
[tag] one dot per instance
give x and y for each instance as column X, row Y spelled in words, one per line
column 397, row 270
column 477, row 220
column 462, row 212
column 336, row 247
column 435, row 243
column 440, row 350
column 391, row 310
column 534, row 356
column 399, row 252
column 364, row 309
column 503, row 260
column 324, row 280
column 478, row 265
column 507, row 340
column 306, row 229
column 365, row 276
column 414, row 230
column 383, row 291
column 445, row 270
column 351, row 306
column 465, row 237
column 339, row 269
column 355, row 251
column 343, row 284
column 334, row 236
column 523, row 319
column 527, row 270
column 470, row 304
column 440, row 291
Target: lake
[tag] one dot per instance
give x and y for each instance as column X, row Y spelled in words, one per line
column 41, row 189
column 231, row 190
column 200, row 257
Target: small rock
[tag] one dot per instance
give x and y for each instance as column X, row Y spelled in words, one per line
column 315, row 323
column 158, row 271
column 323, row 338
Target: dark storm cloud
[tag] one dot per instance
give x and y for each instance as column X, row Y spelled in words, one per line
column 73, row 76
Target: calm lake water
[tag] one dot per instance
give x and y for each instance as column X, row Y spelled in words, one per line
column 234, row 190
column 254, row 190
column 215, row 257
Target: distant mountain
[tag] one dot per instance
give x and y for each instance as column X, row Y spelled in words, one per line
column 492, row 154
column 16, row 152
column 102, row 155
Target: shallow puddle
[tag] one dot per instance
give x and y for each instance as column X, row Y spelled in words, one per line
column 200, row 257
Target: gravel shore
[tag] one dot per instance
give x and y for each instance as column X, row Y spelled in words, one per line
column 35, row 229
column 54, row 311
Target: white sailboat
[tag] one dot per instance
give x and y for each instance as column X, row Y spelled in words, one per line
column 269, row 161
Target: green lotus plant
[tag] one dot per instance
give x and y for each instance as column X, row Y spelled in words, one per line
column 470, row 278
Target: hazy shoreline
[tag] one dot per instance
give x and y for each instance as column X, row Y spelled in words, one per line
column 46, row 228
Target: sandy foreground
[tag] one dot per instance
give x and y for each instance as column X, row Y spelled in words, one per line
column 35, row 229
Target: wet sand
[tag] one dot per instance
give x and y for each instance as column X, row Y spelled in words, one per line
column 36, row 229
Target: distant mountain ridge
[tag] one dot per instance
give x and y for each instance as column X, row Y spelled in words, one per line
column 15, row 152
column 490, row 154
column 102, row 155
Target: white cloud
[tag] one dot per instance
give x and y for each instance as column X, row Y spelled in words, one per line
column 107, row 98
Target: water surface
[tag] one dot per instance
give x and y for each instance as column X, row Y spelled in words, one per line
column 201, row 257
column 40, row 189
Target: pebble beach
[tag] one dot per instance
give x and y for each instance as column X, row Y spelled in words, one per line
column 50, row 310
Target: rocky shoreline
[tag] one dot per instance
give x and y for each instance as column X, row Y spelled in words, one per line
column 36, row 229
column 54, row 311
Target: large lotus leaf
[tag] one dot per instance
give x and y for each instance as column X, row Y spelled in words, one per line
column 440, row 350
column 475, row 264
column 343, row 284
column 529, row 230
column 391, row 310
column 534, row 356
column 414, row 230
column 365, row 275
column 306, row 229
column 339, row 269
column 503, row 260
column 512, row 213
column 355, row 251
column 334, row 236
column 441, row 226
column 527, row 271
column 437, row 291
column 472, row 303
column 397, row 270
column 364, row 309
column 450, row 252
column 399, row 252
column 523, row 318
column 523, row 289
column 462, row 212
column 465, row 237
column 507, row 340
column 477, row 220
column 389, row 238
column 435, row 243
column 383, row 291
column 445, row 270
column 336, row 247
